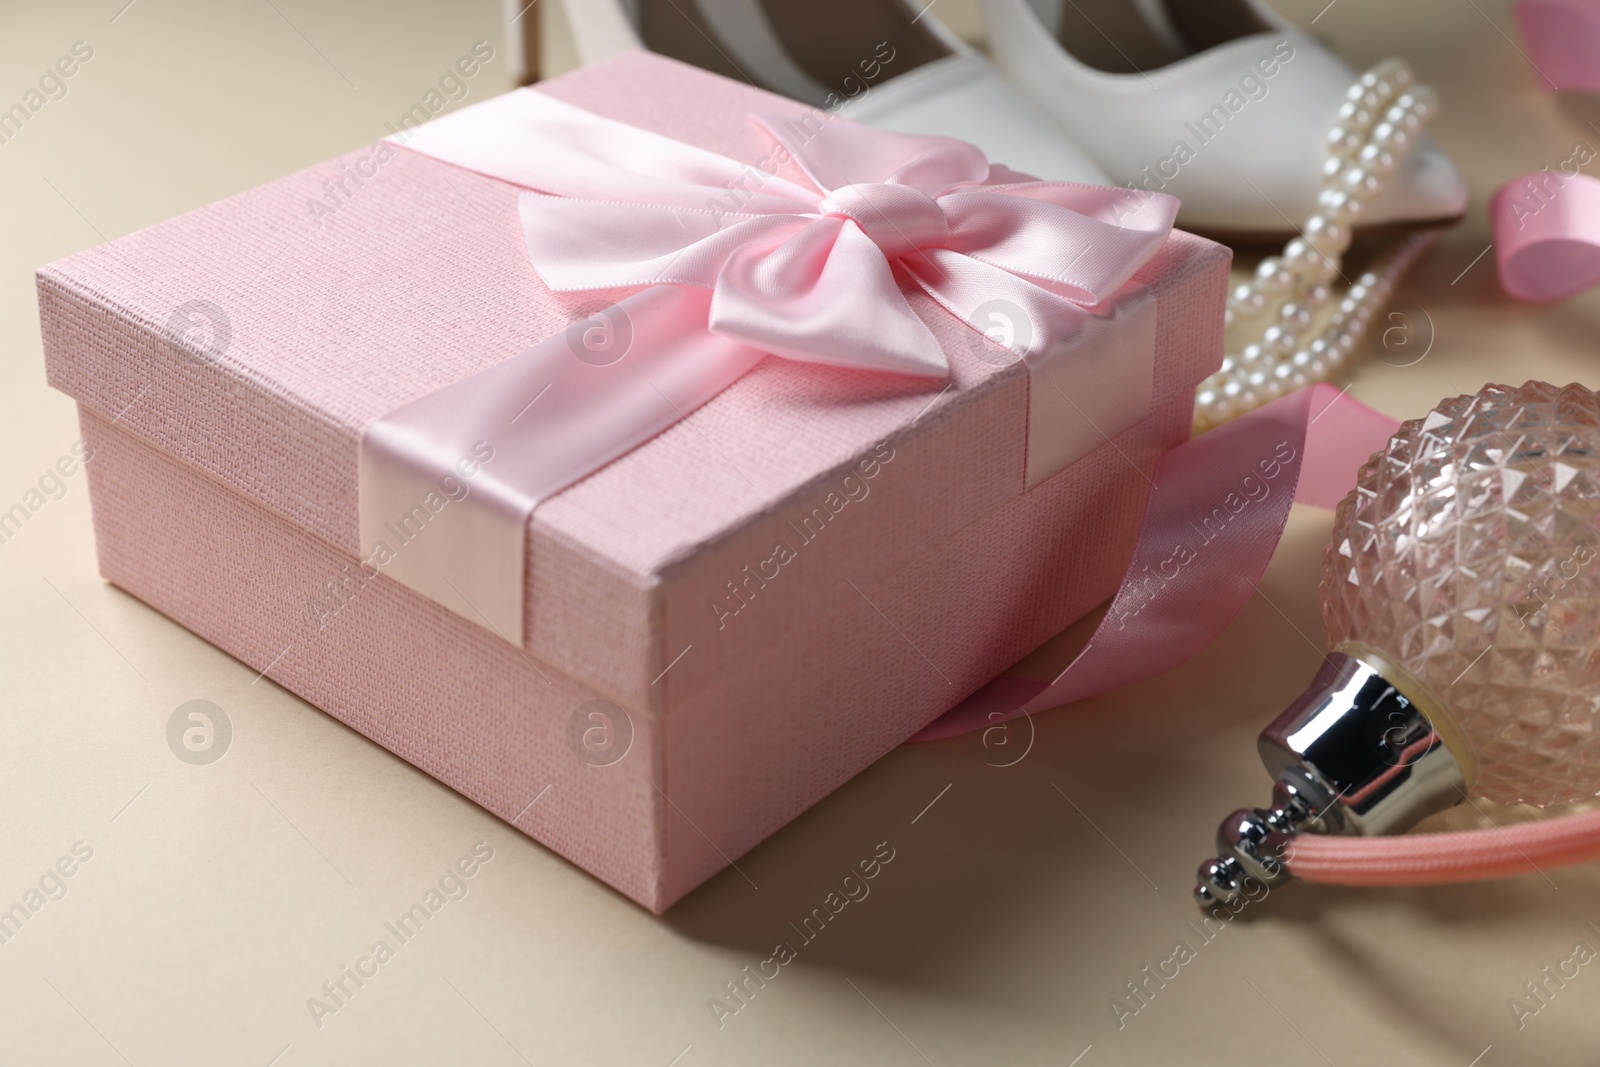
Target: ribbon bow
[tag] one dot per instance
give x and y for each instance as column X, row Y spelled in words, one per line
column 808, row 272
column 731, row 262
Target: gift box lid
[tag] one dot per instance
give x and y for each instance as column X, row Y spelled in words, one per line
column 257, row 338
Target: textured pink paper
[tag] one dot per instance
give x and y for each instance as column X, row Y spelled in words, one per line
column 777, row 734
column 903, row 603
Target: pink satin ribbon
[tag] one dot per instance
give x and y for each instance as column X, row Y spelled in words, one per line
column 1216, row 513
column 1563, row 41
column 729, row 263
column 1547, row 234
column 805, row 270
column 1547, row 224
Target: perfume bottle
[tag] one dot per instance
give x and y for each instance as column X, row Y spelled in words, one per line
column 1461, row 597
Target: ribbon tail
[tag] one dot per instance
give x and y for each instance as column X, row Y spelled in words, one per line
column 1547, row 243
column 1564, row 38
column 1186, row 582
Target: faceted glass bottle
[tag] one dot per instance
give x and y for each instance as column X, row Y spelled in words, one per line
column 1468, row 555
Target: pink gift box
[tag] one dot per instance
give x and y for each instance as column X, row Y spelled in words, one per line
column 723, row 625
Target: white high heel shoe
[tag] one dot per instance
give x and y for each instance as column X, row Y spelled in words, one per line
column 1218, row 102
column 874, row 61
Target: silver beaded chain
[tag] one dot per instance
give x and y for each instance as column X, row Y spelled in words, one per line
column 1380, row 118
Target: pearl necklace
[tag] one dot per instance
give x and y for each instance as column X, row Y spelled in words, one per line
column 1378, row 121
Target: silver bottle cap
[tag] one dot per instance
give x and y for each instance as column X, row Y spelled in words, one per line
column 1361, row 752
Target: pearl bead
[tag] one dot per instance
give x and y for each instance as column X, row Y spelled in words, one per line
column 1279, row 341
column 1324, row 271
column 1328, row 237
column 1318, row 224
column 1251, row 354
column 1298, row 255
column 1230, row 363
column 1338, row 204
column 1227, row 318
column 1332, row 167
column 1248, row 301
column 1376, row 158
column 1354, row 116
column 1283, row 372
column 1295, row 316
column 1317, row 295
column 1272, row 277
column 1360, row 182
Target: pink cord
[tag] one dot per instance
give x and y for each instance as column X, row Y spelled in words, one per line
column 1457, row 856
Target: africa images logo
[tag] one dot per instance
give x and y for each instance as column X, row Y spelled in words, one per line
column 199, row 732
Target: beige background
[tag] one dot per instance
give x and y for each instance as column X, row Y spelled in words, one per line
column 218, row 898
